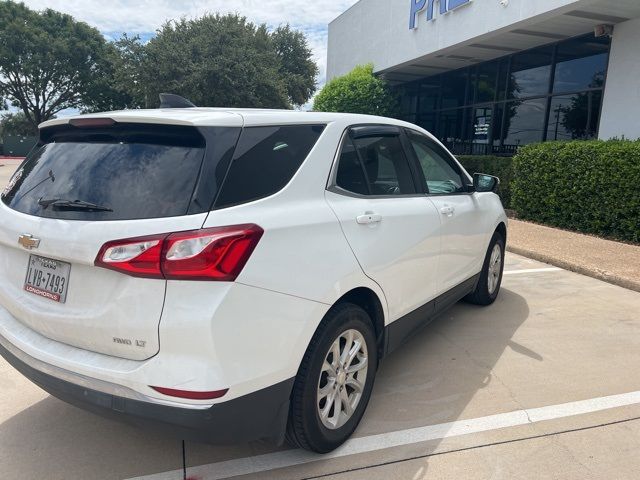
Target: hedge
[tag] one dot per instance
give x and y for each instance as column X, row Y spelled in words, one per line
column 501, row 167
column 588, row 186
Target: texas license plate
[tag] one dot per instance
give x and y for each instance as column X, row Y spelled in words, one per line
column 48, row 278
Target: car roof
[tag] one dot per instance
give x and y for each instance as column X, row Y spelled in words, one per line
column 227, row 117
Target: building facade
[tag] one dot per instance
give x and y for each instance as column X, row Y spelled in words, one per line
column 486, row 76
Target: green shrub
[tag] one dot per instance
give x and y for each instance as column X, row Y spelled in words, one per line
column 592, row 187
column 501, row 167
column 359, row 91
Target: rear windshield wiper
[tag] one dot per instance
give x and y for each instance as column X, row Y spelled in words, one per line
column 60, row 204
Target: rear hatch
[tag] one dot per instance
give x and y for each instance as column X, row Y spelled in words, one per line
column 86, row 185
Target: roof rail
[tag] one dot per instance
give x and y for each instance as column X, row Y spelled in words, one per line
column 170, row 100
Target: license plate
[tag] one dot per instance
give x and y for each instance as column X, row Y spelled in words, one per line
column 48, row 278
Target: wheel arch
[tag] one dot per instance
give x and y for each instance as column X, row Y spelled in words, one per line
column 502, row 230
column 369, row 301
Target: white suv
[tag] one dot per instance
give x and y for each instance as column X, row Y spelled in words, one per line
column 235, row 274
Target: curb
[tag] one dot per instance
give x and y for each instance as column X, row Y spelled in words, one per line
column 572, row 267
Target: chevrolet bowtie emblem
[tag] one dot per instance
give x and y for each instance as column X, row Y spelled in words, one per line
column 28, row 242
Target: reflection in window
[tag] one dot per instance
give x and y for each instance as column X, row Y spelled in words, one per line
column 486, row 82
column 530, row 73
column 574, row 117
column 581, row 65
column 525, row 121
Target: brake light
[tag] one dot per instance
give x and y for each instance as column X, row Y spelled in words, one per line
column 191, row 395
column 218, row 253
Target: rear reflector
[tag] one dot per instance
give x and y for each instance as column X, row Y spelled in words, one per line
column 218, row 253
column 191, row 395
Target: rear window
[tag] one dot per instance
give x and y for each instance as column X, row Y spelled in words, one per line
column 128, row 172
column 265, row 161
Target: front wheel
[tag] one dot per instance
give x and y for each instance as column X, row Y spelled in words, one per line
column 490, row 280
column 335, row 380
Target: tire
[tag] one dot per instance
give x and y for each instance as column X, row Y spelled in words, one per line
column 318, row 380
column 488, row 286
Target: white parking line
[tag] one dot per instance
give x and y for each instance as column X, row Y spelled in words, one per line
column 532, row 270
column 290, row 458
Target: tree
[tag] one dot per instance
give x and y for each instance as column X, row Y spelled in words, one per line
column 118, row 84
column 16, row 124
column 296, row 66
column 48, row 60
column 359, row 91
column 223, row 60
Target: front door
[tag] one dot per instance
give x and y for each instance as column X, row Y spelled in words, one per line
column 464, row 226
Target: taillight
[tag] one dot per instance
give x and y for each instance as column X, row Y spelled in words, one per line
column 218, row 253
column 138, row 257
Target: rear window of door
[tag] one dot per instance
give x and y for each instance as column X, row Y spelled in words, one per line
column 129, row 171
column 374, row 165
column 265, row 161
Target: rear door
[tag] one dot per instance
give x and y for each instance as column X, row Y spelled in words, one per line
column 393, row 232
column 464, row 224
column 84, row 187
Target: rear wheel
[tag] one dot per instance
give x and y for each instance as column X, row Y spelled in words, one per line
column 334, row 383
column 490, row 280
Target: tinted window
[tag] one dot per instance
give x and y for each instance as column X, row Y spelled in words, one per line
column 530, row 73
column 135, row 171
column 574, row 117
column 379, row 161
column 581, row 65
column 350, row 174
column 266, row 159
column 441, row 176
column 524, row 122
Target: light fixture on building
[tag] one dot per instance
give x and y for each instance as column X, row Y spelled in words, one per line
column 603, row 30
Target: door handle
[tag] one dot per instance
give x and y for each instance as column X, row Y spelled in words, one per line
column 448, row 210
column 369, row 218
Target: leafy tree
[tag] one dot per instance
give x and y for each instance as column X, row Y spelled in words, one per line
column 16, row 124
column 48, row 60
column 297, row 68
column 359, row 91
column 118, row 84
column 224, row 60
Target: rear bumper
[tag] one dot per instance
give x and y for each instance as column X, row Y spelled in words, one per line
column 258, row 415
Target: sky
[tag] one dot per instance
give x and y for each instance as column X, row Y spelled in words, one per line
column 143, row 17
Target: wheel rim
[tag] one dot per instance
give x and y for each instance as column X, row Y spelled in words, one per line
column 342, row 379
column 495, row 268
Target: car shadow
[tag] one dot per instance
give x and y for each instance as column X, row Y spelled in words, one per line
column 432, row 379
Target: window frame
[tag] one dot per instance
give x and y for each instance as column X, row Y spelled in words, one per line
column 467, row 181
column 332, row 185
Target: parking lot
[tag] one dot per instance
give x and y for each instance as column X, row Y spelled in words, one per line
column 543, row 384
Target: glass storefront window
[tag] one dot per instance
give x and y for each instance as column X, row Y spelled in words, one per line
column 530, row 73
column 524, row 122
column 451, row 125
column 574, row 117
column 581, row 65
column 429, row 94
column 496, row 106
column 486, row 82
column 454, row 89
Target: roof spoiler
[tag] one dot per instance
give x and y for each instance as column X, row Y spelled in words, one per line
column 170, row 100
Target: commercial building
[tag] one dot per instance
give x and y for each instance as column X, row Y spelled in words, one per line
column 486, row 76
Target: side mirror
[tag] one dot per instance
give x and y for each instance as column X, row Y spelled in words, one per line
column 485, row 183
